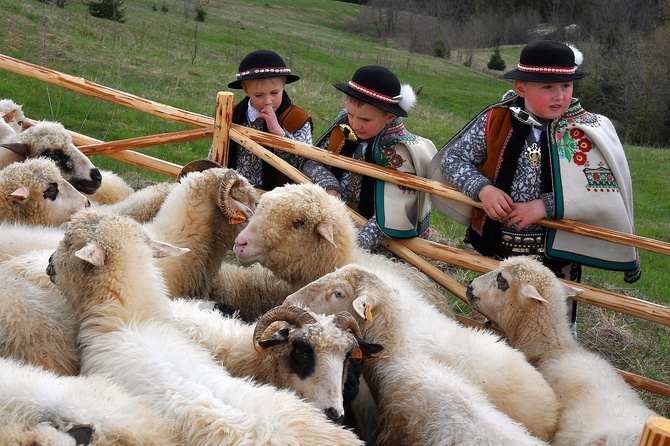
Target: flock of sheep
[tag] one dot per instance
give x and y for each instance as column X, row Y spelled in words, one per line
column 123, row 321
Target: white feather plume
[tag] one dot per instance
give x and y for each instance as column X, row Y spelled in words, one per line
column 579, row 57
column 408, row 97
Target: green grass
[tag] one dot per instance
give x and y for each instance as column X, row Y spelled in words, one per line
column 153, row 55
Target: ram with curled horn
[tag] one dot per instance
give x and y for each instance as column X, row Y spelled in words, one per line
column 289, row 347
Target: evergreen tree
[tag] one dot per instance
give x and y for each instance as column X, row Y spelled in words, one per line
column 496, row 62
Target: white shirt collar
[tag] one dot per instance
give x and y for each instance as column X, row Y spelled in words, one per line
column 252, row 113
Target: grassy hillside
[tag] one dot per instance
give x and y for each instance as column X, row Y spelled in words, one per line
column 165, row 58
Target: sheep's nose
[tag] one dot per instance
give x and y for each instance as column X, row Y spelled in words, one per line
column 334, row 415
column 96, row 176
column 469, row 292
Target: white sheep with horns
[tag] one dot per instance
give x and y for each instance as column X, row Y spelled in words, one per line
column 287, row 347
column 33, row 192
column 421, row 400
column 31, row 395
column 51, row 140
column 527, row 301
column 301, row 233
column 105, row 265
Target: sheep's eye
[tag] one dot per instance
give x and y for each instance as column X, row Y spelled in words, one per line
column 51, row 192
column 339, row 295
column 298, row 224
column 503, row 285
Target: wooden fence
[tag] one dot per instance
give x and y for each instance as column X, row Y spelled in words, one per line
column 415, row 251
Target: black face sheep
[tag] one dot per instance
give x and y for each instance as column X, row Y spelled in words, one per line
column 105, row 266
column 421, row 401
column 51, row 140
column 529, row 303
column 34, row 192
column 287, row 347
column 301, row 233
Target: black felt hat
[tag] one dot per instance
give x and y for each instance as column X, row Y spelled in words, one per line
column 262, row 64
column 378, row 86
column 547, row 61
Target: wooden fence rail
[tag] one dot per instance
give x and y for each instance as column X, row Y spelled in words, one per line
column 414, row 251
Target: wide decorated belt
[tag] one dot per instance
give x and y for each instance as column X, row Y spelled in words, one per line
column 515, row 243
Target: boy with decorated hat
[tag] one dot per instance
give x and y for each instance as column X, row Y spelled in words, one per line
column 371, row 128
column 262, row 75
column 538, row 154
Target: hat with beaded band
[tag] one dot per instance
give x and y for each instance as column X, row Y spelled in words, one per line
column 262, row 64
column 378, row 86
column 548, row 61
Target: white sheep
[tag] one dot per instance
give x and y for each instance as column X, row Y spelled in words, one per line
column 51, row 140
column 301, row 233
column 13, row 115
column 105, row 265
column 527, row 301
column 6, row 130
column 143, row 204
column 112, row 190
column 37, row 326
column 19, row 238
column 34, row 192
column 31, row 395
column 421, row 400
column 287, row 347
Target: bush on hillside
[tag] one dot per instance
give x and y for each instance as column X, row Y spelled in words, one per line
column 107, row 9
column 496, row 62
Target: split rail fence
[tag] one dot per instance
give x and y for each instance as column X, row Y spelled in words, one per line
column 414, row 251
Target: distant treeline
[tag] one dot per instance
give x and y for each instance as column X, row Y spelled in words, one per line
column 626, row 44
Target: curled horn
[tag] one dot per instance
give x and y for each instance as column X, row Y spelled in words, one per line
column 289, row 313
column 345, row 321
column 198, row 166
column 231, row 208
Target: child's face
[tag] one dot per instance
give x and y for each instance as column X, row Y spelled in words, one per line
column 546, row 101
column 366, row 119
column 264, row 92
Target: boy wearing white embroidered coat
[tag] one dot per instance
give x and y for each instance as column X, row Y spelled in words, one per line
column 371, row 128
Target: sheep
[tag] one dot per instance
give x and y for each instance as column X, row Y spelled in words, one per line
column 105, row 266
column 13, row 115
column 307, row 353
column 112, row 190
column 35, row 193
column 143, row 204
column 37, row 326
column 19, row 238
column 6, row 130
column 31, row 395
column 301, row 233
column 527, row 301
column 421, row 400
column 51, row 140
column 43, row 434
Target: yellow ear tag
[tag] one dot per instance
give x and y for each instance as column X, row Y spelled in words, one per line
column 238, row 218
column 357, row 354
column 348, row 132
column 368, row 314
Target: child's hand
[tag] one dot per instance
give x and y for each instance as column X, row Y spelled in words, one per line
column 497, row 204
column 526, row 214
column 268, row 115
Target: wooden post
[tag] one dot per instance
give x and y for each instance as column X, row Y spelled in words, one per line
column 222, row 120
column 656, row 432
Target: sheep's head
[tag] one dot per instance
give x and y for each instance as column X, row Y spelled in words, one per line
column 102, row 251
column 36, row 193
column 51, row 140
column 313, row 354
column 350, row 288
column 299, row 232
column 519, row 286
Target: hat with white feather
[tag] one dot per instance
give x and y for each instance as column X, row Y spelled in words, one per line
column 548, row 61
column 378, row 86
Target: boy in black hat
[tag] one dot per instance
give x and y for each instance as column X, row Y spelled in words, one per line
column 371, row 128
column 262, row 75
column 538, row 154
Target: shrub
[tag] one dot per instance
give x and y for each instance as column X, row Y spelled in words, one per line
column 200, row 14
column 107, row 9
column 496, row 62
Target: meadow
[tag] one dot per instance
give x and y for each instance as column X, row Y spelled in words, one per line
column 163, row 57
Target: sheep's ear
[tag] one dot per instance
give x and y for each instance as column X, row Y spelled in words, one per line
column 162, row 249
column 531, row 292
column 10, row 115
column 278, row 337
column 570, row 290
column 93, row 254
column 18, row 148
column 19, row 195
column 82, row 433
column 326, row 230
column 363, row 307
